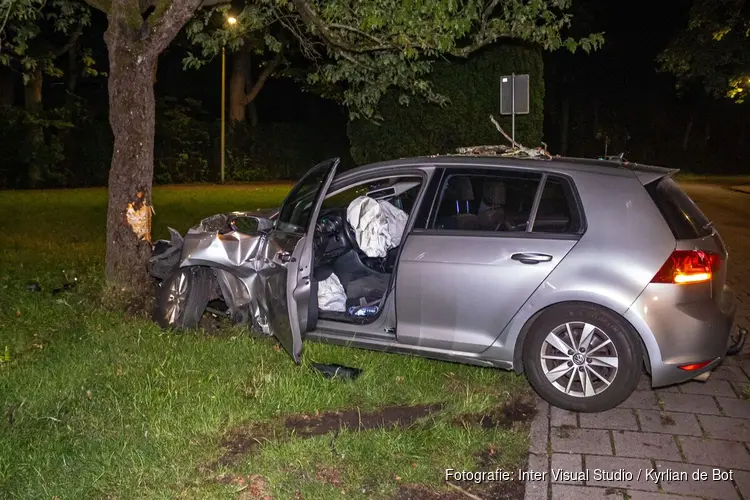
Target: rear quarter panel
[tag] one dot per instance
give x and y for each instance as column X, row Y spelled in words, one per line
column 625, row 243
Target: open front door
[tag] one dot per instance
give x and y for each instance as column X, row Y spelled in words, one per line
column 290, row 251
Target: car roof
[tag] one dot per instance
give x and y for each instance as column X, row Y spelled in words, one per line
column 555, row 163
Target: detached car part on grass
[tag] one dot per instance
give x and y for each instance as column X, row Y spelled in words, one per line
column 578, row 273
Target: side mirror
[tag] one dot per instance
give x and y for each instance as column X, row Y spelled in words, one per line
column 249, row 224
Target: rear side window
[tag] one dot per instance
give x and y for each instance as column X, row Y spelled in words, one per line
column 558, row 210
column 683, row 216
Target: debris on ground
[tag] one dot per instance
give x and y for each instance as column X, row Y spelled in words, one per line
column 66, row 286
column 337, row 371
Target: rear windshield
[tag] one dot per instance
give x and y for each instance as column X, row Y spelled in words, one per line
column 683, row 216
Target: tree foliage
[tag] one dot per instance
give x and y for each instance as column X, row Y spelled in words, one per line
column 714, row 49
column 362, row 49
column 37, row 32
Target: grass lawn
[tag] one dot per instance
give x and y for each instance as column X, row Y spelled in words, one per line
column 97, row 404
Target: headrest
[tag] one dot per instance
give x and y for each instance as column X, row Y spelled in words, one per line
column 493, row 192
column 459, row 188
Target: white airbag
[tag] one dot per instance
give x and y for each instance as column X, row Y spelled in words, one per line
column 378, row 226
column 331, row 295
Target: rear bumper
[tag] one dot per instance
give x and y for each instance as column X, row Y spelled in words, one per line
column 677, row 330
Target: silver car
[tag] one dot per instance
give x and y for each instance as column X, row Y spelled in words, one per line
column 578, row 273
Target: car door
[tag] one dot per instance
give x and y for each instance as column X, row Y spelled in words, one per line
column 475, row 261
column 289, row 253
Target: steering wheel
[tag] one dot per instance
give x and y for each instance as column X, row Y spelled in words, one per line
column 349, row 234
column 333, row 226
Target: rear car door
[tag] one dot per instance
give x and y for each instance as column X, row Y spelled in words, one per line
column 289, row 253
column 476, row 258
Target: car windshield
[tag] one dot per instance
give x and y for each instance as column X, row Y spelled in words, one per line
column 295, row 212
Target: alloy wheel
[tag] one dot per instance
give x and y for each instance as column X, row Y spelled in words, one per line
column 579, row 359
column 176, row 297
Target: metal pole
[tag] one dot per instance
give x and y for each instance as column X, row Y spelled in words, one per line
column 513, row 109
column 223, row 108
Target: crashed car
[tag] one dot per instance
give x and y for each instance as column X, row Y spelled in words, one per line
column 578, row 273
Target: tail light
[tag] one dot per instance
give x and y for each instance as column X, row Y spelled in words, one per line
column 694, row 366
column 688, row 266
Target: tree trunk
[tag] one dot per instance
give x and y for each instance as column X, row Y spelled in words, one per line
column 686, row 136
column 134, row 39
column 7, row 87
column 74, row 69
column 237, row 84
column 132, row 118
column 33, row 103
column 33, row 91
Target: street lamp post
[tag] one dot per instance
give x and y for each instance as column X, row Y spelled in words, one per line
column 231, row 21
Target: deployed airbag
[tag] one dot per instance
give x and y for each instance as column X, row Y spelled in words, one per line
column 331, row 295
column 378, row 225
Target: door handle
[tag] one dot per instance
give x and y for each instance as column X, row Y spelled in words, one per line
column 284, row 257
column 531, row 258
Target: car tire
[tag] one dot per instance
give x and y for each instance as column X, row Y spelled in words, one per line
column 597, row 379
column 182, row 298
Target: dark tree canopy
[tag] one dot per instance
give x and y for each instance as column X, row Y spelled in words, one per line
column 714, row 49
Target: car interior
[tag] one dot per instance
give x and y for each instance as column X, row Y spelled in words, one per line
column 366, row 280
column 495, row 203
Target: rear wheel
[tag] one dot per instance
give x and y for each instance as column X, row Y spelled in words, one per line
column 582, row 358
column 182, row 298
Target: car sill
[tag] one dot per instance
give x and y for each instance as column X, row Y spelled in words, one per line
column 390, row 345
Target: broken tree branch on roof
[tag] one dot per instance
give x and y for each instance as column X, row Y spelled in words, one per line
column 515, row 149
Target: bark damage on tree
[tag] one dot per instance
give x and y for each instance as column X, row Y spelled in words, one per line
column 137, row 33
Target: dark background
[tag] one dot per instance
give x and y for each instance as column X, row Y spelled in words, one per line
column 612, row 101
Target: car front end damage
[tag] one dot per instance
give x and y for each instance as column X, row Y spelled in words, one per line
column 232, row 246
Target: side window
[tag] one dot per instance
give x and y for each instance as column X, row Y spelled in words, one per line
column 491, row 201
column 558, row 210
column 401, row 192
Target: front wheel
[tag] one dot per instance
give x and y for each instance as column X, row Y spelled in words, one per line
column 582, row 358
column 182, row 298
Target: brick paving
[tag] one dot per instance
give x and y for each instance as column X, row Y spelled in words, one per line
column 682, row 442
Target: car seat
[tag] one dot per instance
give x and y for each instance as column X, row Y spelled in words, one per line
column 454, row 211
column 492, row 212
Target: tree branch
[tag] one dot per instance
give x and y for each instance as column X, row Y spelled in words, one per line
column 102, row 5
column 483, row 38
column 380, row 44
column 467, row 50
column 267, row 72
column 315, row 23
column 170, row 19
column 69, row 44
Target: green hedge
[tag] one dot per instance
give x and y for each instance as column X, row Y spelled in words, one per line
column 473, row 87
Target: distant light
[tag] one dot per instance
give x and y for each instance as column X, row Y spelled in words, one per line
column 505, row 80
column 232, row 20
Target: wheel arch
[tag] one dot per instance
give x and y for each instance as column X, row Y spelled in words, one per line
column 523, row 332
column 234, row 290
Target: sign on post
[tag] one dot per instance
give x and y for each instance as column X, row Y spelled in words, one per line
column 514, row 98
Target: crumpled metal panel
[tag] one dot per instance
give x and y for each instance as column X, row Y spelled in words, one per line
column 237, row 259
